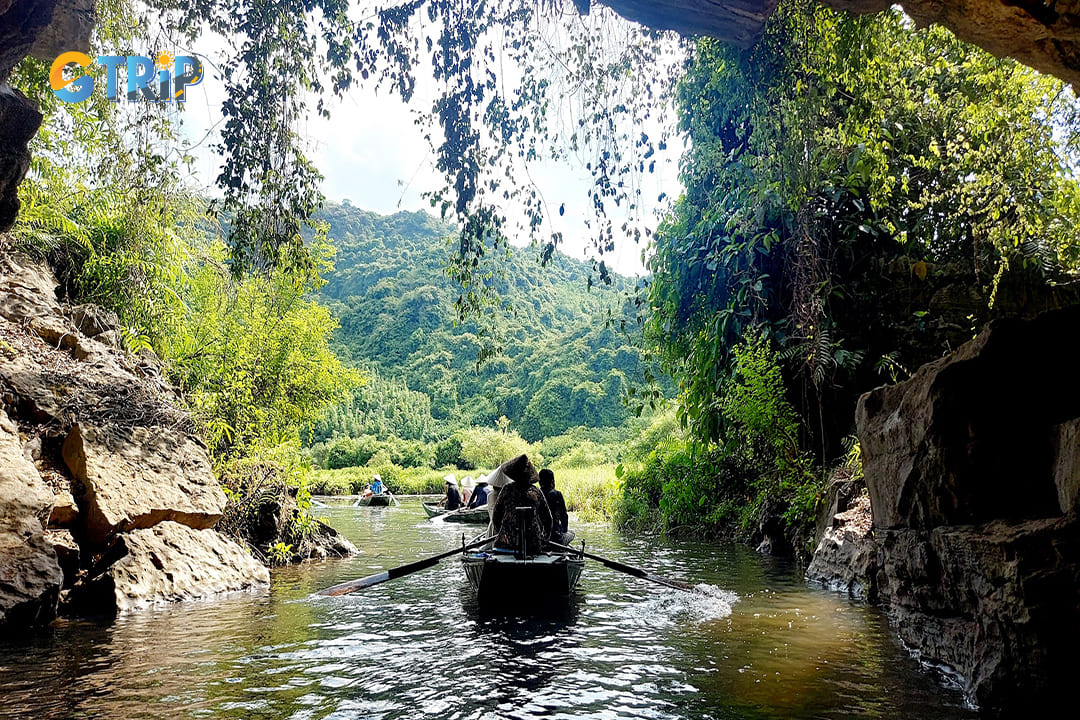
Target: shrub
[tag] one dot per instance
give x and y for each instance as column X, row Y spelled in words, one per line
column 448, row 453
column 352, row 452
column 485, row 447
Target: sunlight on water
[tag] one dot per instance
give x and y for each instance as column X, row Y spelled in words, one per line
column 751, row 641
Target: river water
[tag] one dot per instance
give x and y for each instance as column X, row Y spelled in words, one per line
column 754, row 642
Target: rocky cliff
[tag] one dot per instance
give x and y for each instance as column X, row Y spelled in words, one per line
column 972, row 469
column 107, row 499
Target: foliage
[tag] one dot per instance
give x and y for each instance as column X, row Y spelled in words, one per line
column 279, row 553
column 557, row 367
column 722, row 488
column 489, row 448
column 840, row 173
column 104, row 198
column 253, row 356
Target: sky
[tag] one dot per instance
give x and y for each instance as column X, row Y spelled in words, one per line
column 372, row 153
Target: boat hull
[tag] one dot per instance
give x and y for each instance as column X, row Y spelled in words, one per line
column 475, row 516
column 502, row 578
column 381, row 500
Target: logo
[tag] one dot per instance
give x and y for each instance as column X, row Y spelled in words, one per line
column 161, row 79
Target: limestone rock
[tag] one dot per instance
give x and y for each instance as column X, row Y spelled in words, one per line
column 64, row 511
column 138, row 477
column 30, row 576
column 846, row 558
column 1066, row 444
column 69, row 29
column 167, row 563
column 93, row 321
column 950, row 445
column 68, row 553
column 738, row 22
column 971, row 467
column 996, row 602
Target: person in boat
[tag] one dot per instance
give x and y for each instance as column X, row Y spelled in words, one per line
column 479, row 495
column 521, row 518
column 559, row 518
column 377, row 487
column 467, row 486
column 452, row 499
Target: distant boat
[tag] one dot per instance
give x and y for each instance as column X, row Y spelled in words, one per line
column 475, row 516
column 376, row 500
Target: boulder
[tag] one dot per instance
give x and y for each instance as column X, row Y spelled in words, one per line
column 971, row 467
column 137, row 477
column 166, row 563
column 952, row 444
column 30, row 576
column 64, row 511
column 846, row 558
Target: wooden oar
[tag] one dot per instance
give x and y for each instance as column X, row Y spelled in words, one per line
column 394, row 573
column 628, row 569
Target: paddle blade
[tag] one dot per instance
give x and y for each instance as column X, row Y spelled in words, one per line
column 352, row 585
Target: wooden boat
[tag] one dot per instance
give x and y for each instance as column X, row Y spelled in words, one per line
column 475, row 516
column 500, row 577
column 376, row 500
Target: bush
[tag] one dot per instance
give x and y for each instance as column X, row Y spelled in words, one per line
column 409, row 453
column 352, row 452
column 485, row 447
column 448, row 454
column 585, row 454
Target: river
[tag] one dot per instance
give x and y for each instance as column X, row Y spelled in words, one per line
column 754, row 642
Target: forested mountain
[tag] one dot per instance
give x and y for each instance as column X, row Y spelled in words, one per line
column 560, row 366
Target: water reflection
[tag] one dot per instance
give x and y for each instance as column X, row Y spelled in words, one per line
column 753, row 643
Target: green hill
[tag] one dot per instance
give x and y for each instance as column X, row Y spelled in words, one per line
column 561, row 364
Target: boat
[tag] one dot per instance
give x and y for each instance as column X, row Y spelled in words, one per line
column 500, row 577
column 475, row 516
column 376, row 500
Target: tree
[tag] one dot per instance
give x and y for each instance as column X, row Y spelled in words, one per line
column 837, row 151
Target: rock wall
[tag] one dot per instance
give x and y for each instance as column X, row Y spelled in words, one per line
column 971, row 468
column 42, row 29
column 106, row 495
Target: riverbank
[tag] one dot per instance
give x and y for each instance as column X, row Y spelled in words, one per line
column 108, row 497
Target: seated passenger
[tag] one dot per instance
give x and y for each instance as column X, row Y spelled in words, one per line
column 521, row 518
column 452, row 500
column 555, row 501
column 479, row 494
column 377, row 485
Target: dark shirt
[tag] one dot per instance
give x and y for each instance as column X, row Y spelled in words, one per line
column 453, row 498
column 507, row 520
column 557, row 504
column 479, row 497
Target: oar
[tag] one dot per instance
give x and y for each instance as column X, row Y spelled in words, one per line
column 628, row 569
column 394, row 573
